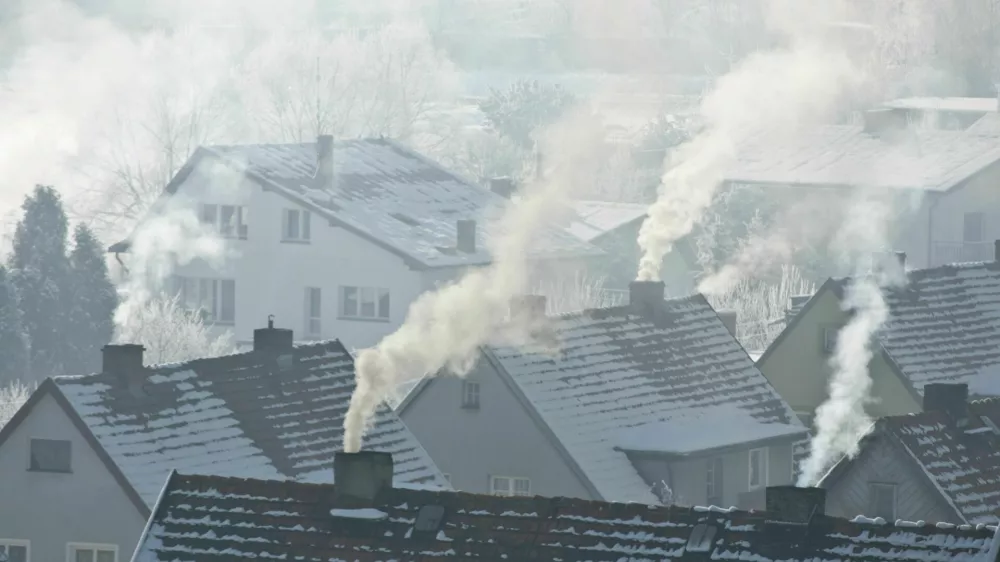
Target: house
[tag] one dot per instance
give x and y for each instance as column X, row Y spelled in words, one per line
column 942, row 182
column 647, row 402
column 943, row 327
column 942, row 464
column 361, row 517
column 82, row 463
column 337, row 238
column 945, row 112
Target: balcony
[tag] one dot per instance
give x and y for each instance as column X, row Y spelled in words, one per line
column 959, row 252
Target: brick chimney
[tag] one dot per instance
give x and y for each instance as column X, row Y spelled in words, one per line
column 123, row 360
column 360, row 477
column 951, row 398
column 272, row 339
column 729, row 317
column 792, row 504
column 645, row 297
column 465, row 236
column 324, row 162
column 504, row 187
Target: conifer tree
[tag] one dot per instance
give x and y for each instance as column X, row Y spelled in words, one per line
column 13, row 351
column 93, row 302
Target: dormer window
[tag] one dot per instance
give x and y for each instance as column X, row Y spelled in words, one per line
column 295, row 226
column 230, row 221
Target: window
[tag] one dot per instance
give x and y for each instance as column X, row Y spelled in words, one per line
column 14, row 550
column 295, row 225
column 215, row 298
column 78, row 552
column 364, row 302
column 470, row 395
column 974, row 227
column 758, row 468
column 882, row 498
column 713, row 481
column 229, row 221
column 508, row 486
column 829, row 339
column 313, row 311
column 50, row 455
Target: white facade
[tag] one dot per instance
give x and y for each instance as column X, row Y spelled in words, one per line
column 965, row 222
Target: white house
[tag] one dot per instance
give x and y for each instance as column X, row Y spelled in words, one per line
column 336, row 239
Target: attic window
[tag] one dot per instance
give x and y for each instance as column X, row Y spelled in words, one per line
column 701, row 538
column 429, row 519
column 989, row 423
column 405, row 219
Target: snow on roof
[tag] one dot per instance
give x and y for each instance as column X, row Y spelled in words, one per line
column 944, row 325
column 214, row 519
column 597, row 218
column 237, row 415
column 703, row 430
column 617, row 369
column 954, row 104
column 395, row 196
column 844, row 155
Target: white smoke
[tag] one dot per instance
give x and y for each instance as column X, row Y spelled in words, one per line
column 776, row 92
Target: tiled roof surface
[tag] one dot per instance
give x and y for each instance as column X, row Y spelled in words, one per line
column 617, row 370
column 844, row 155
column 596, row 218
column 395, row 196
column 214, row 519
column 237, row 415
column 964, row 463
column 944, row 324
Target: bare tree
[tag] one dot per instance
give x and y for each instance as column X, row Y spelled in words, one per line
column 12, row 397
column 576, row 292
column 171, row 334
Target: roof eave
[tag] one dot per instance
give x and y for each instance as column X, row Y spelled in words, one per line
column 763, row 442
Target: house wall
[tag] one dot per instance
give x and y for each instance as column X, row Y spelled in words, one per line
column 882, row 462
column 619, row 264
column 499, row 438
column 51, row 509
column 980, row 194
column 688, row 478
column 799, row 369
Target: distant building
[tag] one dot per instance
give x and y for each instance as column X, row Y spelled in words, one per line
column 82, row 463
column 363, row 517
column 653, row 401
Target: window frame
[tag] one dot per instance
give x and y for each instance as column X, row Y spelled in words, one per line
column 5, row 544
column 31, row 468
column 72, row 547
column 303, row 222
column 213, row 308
column 828, row 344
column 511, row 485
column 240, row 228
column 714, row 474
column 471, row 388
column 379, row 296
column 872, row 486
column 763, row 451
column 313, row 321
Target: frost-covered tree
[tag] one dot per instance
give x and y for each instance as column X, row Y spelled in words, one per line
column 93, row 300
column 39, row 271
column 523, row 108
column 170, row 333
column 13, row 349
column 12, row 396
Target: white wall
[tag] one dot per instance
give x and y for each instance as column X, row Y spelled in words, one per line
column 53, row 509
column 981, row 194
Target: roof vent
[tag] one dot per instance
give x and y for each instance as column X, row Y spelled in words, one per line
column 465, row 236
column 271, row 338
column 701, row 538
column 360, row 477
column 950, row 398
column 430, row 519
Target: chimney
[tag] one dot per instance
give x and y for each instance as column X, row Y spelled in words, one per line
column 465, row 236
column 792, row 504
column 882, row 121
column 504, row 187
column 271, row 338
column 122, row 360
column 645, row 297
column 539, row 164
column 951, row 398
column 324, row 162
column 729, row 318
column 527, row 306
column 881, row 260
column 360, row 477
column 996, row 250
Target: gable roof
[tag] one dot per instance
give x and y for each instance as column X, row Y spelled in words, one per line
column 385, row 193
column 211, row 518
column 594, row 219
column 962, row 463
column 619, row 373
column 237, row 415
column 933, row 160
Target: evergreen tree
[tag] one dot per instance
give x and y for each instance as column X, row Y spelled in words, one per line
column 13, row 351
column 40, row 275
column 94, row 299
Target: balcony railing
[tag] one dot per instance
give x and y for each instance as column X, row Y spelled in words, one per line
column 958, row 252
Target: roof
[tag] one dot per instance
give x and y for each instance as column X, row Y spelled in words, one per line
column 596, row 218
column 953, row 104
column 388, row 194
column 211, row 518
column 617, row 370
column 962, row 463
column 237, row 415
column 844, row 155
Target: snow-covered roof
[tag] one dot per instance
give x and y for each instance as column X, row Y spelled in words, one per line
column 617, row 369
column 952, row 104
column 594, row 219
column 844, row 155
column 237, row 415
column 391, row 195
column 699, row 431
column 216, row 519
